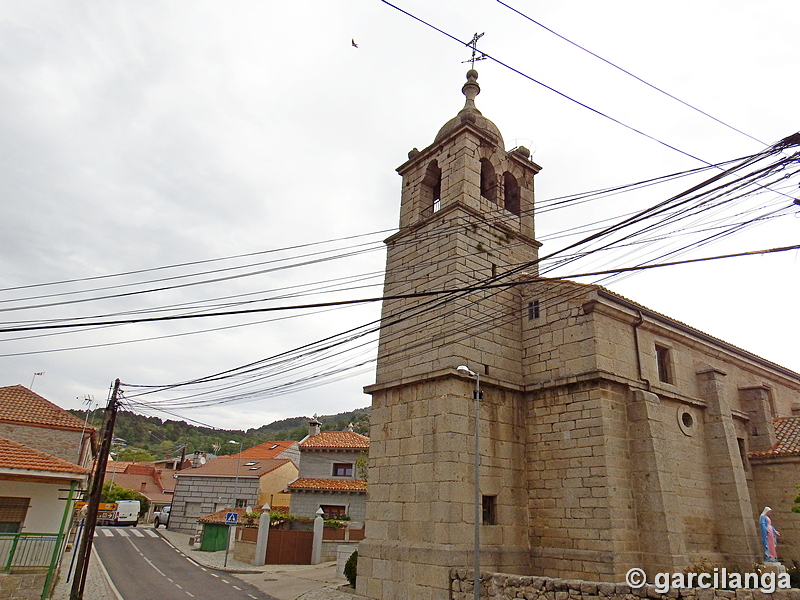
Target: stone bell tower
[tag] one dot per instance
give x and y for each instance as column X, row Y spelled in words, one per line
column 466, row 218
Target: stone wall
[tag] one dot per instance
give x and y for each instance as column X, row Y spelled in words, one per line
column 61, row 443
column 774, row 482
column 21, row 586
column 503, row 587
column 306, row 503
column 211, row 493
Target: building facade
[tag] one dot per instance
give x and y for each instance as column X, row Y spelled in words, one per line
column 332, row 475
column 611, row 436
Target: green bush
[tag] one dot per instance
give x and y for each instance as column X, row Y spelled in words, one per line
column 351, row 568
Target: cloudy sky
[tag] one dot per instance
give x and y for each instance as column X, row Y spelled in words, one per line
column 236, row 137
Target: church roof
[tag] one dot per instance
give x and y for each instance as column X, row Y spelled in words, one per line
column 470, row 114
column 787, row 432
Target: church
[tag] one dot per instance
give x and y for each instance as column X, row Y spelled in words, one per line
column 609, row 436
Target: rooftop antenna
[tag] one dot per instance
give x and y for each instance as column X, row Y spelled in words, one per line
column 473, row 43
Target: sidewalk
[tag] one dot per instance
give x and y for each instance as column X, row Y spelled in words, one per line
column 284, row 582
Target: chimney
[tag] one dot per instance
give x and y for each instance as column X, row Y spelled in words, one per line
column 197, row 461
column 350, row 427
column 314, row 426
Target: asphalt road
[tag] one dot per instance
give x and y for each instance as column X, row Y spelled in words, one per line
column 143, row 566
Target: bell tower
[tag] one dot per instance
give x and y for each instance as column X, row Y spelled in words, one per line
column 466, row 218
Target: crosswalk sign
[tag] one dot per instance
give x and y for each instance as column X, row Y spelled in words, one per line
column 231, row 518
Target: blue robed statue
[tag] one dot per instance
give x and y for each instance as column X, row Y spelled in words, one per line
column 769, row 536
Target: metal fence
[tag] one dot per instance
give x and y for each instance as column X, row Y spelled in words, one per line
column 27, row 551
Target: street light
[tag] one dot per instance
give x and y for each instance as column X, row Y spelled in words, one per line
column 235, row 493
column 477, row 500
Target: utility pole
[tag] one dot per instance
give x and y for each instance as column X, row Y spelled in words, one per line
column 85, row 548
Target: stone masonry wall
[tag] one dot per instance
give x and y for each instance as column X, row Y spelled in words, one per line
column 306, row 504
column 503, row 587
column 61, row 443
column 213, row 494
column 774, row 481
column 21, row 586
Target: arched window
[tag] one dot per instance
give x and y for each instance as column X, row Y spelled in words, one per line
column 511, row 188
column 488, row 181
column 432, row 188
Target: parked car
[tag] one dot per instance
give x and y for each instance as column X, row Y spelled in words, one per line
column 161, row 517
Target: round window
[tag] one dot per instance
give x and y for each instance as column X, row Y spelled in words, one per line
column 686, row 420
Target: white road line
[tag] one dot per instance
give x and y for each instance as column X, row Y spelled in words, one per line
column 107, row 532
column 203, row 569
column 137, row 533
column 170, row 580
column 225, row 581
column 213, row 575
column 253, row 597
column 177, row 586
column 123, row 533
column 236, row 587
column 190, row 593
column 151, row 533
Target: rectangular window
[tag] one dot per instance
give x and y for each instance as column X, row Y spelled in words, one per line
column 12, row 513
column 241, row 502
column 333, row 511
column 533, row 310
column 489, row 510
column 342, row 469
column 664, row 364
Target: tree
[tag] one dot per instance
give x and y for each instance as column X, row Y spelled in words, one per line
column 114, row 493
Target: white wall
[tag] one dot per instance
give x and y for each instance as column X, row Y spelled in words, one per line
column 46, row 509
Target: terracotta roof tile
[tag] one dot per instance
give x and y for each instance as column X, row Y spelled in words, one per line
column 14, row 455
column 787, row 432
column 336, row 440
column 20, row 405
column 226, row 466
column 267, row 449
column 345, row 485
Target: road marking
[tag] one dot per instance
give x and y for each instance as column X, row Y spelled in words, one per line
column 177, row 586
column 151, row 533
column 253, row 597
column 137, row 533
column 203, row 569
column 170, row 580
column 190, row 593
column 225, row 581
column 123, row 533
column 236, row 587
column 214, row 575
column 107, row 533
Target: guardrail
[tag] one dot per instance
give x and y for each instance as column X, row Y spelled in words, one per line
column 27, row 551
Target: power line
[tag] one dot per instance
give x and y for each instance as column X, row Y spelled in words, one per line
column 650, row 85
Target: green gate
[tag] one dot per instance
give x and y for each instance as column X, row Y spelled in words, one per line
column 215, row 537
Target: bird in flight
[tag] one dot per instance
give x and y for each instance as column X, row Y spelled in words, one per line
column 353, row 43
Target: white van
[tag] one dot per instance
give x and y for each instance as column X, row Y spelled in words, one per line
column 127, row 512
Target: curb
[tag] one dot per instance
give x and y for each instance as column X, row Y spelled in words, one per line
column 205, row 566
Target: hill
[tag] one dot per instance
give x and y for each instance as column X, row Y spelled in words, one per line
column 144, row 438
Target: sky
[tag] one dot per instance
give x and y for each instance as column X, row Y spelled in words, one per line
column 135, row 136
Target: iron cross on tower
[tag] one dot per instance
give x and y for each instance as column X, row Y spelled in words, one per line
column 473, row 43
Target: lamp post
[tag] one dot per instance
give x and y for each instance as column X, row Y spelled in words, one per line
column 477, row 499
column 235, row 493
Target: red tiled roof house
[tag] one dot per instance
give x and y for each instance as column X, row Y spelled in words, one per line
column 330, row 476
column 29, row 419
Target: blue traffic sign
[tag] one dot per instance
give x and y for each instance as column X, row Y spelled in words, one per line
column 231, row 518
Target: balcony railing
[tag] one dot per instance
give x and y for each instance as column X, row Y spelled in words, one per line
column 27, row 551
